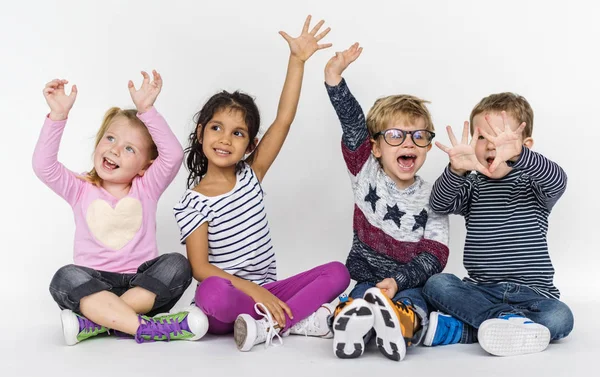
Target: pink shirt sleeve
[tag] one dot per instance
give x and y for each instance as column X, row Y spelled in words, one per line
column 170, row 154
column 47, row 168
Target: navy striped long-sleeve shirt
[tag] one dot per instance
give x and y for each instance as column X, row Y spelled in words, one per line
column 506, row 220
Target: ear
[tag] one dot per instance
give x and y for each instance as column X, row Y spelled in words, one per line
column 143, row 171
column 251, row 149
column 375, row 149
column 528, row 142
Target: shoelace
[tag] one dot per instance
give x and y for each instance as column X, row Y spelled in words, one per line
column 87, row 325
column 309, row 323
column 153, row 327
column 270, row 331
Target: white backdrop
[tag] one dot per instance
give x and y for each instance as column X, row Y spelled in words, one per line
column 451, row 53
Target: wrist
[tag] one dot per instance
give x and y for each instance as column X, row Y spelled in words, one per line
column 56, row 116
column 333, row 78
column 144, row 109
column 296, row 60
column 459, row 172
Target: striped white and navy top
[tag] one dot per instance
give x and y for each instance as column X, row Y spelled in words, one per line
column 506, row 220
column 239, row 242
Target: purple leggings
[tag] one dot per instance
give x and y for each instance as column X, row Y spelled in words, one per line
column 303, row 293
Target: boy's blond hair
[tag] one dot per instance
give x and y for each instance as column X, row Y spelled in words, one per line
column 390, row 108
column 109, row 116
column 514, row 105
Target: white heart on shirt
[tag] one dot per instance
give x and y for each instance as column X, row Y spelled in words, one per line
column 114, row 227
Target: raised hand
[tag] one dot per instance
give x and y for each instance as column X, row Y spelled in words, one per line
column 462, row 155
column 60, row 103
column 144, row 97
column 508, row 143
column 271, row 302
column 338, row 64
column 307, row 44
column 389, row 287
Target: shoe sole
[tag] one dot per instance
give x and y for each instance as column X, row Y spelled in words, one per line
column 390, row 339
column 242, row 332
column 430, row 335
column 349, row 327
column 70, row 326
column 502, row 337
column 197, row 322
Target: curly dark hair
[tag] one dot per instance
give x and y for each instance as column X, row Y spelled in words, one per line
column 196, row 161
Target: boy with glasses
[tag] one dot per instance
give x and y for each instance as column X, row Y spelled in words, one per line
column 399, row 242
column 508, row 301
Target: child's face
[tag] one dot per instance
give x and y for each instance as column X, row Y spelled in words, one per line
column 226, row 138
column 401, row 162
column 486, row 151
column 123, row 152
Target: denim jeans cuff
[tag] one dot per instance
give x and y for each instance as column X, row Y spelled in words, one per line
column 162, row 292
column 86, row 289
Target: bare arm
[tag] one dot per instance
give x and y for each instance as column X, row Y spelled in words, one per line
column 301, row 49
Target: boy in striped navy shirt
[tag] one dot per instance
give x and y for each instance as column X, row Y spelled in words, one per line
column 509, row 294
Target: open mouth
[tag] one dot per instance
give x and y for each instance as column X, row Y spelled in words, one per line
column 407, row 162
column 109, row 164
column 221, row 152
column 490, row 160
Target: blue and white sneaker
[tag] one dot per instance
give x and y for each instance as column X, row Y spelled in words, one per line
column 443, row 329
column 512, row 335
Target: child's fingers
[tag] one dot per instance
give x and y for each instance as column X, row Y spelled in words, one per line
column 475, row 137
column 482, row 169
column 495, row 129
column 131, row 87
column 324, row 45
column 465, row 133
column 442, row 147
column 146, row 78
column 489, row 137
column 287, row 309
column 317, row 27
column 451, row 136
column 521, row 128
column 323, row 34
column 285, row 36
column 306, row 24
column 73, row 93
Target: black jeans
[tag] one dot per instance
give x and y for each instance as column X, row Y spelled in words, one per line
column 167, row 276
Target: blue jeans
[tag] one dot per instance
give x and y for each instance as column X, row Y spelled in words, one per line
column 474, row 303
column 416, row 298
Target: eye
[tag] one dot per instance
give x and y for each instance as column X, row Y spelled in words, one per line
column 419, row 135
column 130, row 149
column 110, row 138
column 394, row 134
column 481, row 137
column 239, row 133
column 215, row 127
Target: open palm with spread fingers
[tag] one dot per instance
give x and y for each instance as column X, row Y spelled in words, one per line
column 462, row 155
column 144, row 97
column 60, row 103
column 508, row 143
column 307, row 43
column 338, row 64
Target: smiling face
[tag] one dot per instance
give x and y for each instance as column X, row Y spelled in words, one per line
column 401, row 162
column 225, row 139
column 123, row 152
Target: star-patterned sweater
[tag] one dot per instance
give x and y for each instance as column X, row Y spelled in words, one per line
column 396, row 234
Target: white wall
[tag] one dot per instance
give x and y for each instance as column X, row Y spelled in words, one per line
column 452, row 53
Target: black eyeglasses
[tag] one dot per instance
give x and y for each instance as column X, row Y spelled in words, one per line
column 395, row 137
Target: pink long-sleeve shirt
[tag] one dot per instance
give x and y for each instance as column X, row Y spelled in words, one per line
column 111, row 234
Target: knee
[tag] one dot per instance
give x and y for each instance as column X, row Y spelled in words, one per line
column 439, row 283
column 339, row 275
column 69, row 277
column 180, row 267
column 211, row 295
column 559, row 321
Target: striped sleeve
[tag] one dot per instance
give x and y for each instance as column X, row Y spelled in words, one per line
column 549, row 181
column 190, row 213
column 451, row 193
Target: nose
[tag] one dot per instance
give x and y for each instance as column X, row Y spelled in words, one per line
column 115, row 150
column 490, row 146
column 408, row 141
column 225, row 139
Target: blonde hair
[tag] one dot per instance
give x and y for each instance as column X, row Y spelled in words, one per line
column 390, row 108
column 514, row 105
column 109, row 116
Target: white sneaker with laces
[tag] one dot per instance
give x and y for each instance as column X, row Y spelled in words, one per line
column 315, row 324
column 249, row 332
